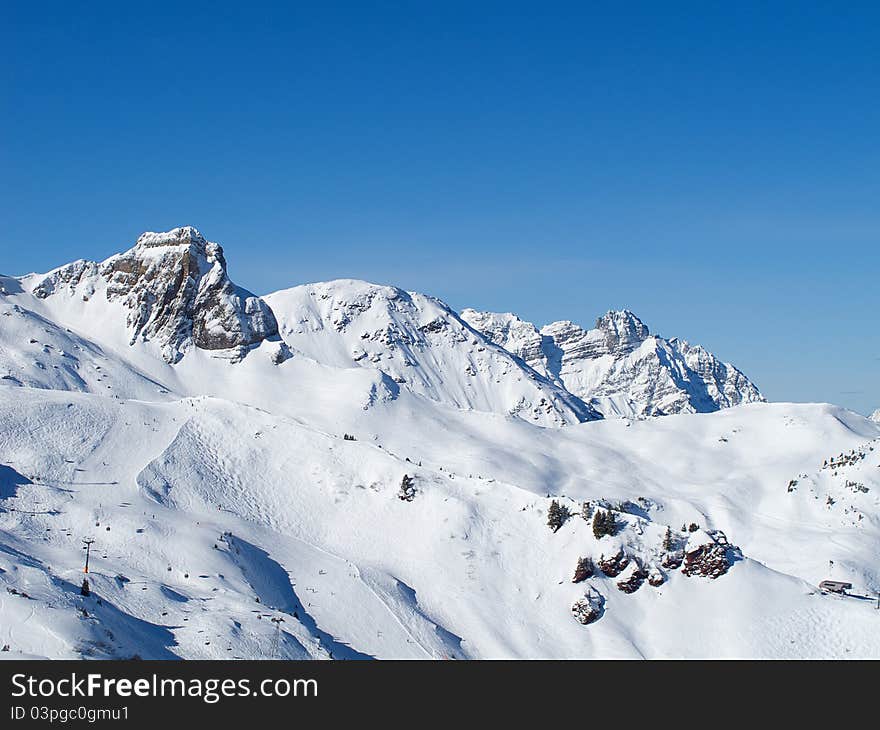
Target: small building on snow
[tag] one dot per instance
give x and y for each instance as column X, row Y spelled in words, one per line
column 835, row 586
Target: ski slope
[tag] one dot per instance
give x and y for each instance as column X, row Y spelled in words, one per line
column 226, row 516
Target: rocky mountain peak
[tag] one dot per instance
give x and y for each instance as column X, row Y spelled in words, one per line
column 618, row 366
column 176, row 291
column 183, row 236
column 623, row 331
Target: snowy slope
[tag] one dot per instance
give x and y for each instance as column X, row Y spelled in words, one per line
column 223, row 505
column 422, row 345
column 619, row 367
column 35, row 352
column 227, row 486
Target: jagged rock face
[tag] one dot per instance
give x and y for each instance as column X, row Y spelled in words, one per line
column 513, row 334
column 622, row 332
column 421, row 344
column 176, row 292
column 875, row 416
column 619, row 367
column 68, row 278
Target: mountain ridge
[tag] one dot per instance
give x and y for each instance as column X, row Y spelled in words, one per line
column 422, row 344
column 174, row 291
column 619, row 366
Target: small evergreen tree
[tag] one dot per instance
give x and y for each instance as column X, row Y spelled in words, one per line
column 668, row 545
column 587, row 510
column 556, row 515
column 610, row 523
column 407, row 488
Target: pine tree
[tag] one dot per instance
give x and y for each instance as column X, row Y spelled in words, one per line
column 667, row 541
column 587, row 510
column 556, row 515
column 407, row 488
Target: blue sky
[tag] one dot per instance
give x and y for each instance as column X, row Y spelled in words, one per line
column 713, row 167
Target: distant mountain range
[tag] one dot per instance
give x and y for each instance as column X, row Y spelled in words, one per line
column 172, row 290
column 619, row 367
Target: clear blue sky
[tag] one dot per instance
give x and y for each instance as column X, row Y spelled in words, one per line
column 714, row 167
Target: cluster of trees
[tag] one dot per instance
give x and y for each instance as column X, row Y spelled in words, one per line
column 348, row 437
column 557, row 515
column 604, row 523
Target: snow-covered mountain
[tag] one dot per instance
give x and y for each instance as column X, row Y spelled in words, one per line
column 173, row 289
column 370, row 480
column 619, row 366
column 422, row 345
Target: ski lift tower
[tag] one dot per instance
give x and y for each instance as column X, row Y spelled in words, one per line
column 87, row 546
column 276, row 640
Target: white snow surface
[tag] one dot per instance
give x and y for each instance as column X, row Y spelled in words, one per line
column 225, row 490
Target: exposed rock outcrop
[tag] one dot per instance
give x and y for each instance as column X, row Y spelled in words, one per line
column 176, row 292
column 707, row 555
column 613, row 566
column 590, row 608
column 632, row 578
